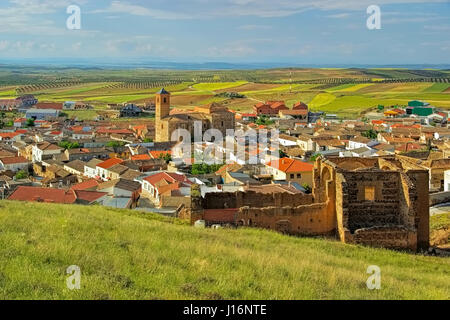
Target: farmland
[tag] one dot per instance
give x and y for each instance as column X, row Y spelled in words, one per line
column 346, row 92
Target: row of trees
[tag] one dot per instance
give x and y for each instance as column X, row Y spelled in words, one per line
column 45, row 86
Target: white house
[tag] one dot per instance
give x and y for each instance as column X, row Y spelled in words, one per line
column 82, row 135
column 102, row 169
column 14, row 164
column 358, row 142
column 44, row 150
column 90, row 168
column 447, row 180
column 287, row 141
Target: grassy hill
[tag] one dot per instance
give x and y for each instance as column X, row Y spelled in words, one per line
column 126, row 254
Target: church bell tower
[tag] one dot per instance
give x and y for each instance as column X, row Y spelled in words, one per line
column 162, row 104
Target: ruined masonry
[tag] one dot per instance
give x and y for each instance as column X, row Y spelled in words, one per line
column 379, row 202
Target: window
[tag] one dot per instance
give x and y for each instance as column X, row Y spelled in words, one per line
column 369, row 193
column 292, row 176
column 165, row 100
column 299, row 175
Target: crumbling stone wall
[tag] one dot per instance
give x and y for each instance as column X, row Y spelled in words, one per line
column 224, row 200
column 380, row 202
column 396, row 215
column 387, row 237
column 362, row 213
column 311, row 219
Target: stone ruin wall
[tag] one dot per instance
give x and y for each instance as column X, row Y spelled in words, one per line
column 397, row 218
column 310, row 219
column 224, row 200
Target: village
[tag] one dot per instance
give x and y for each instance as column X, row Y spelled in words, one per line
column 369, row 181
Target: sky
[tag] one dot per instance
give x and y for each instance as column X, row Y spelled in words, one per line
column 285, row 31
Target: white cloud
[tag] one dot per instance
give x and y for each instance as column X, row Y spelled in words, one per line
column 230, row 51
column 137, row 46
column 129, row 8
column 31, row 17
column 202, row 9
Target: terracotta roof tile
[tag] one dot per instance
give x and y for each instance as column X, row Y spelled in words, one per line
column 291, row 165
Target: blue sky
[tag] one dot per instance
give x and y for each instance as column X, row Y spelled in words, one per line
column 293, row 31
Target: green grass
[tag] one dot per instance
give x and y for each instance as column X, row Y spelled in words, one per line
column 124, row 254
column 439, row 221
column 322, row 99
column 349, row 87
column 437, row 88
column 218, row 85
column 8, row 94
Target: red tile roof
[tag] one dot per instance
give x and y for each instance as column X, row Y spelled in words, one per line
column 49, row 105
column 141, row 157
column 13, row 160
column 157, row 154
column 8, row 135
column 291, row 165
column 109, row 163
column 167, row 181
column 300, row 105
column 88, row 184
column 24, row 193
column 89, row 196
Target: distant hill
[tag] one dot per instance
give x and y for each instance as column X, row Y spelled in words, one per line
column 126, row 254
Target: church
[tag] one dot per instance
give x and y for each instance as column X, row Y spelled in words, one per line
column 211, row 116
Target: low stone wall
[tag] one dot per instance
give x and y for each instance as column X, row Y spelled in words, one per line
column 311, row 219
column 221, row 200
column 392, row 237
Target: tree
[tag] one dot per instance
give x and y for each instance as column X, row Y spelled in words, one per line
column 370, row 134
column 69, row 145
column 115, row 144
column 203, row 168
column 147, row 140
column 307, row 188
column 282, row 154
column 30, row 123
column 314, row 157
column 21, row 175
column 166, row 157
column 264, row 120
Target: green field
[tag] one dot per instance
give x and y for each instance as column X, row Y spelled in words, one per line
column 346, row 92
column 438, row 87
column 125, row 254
